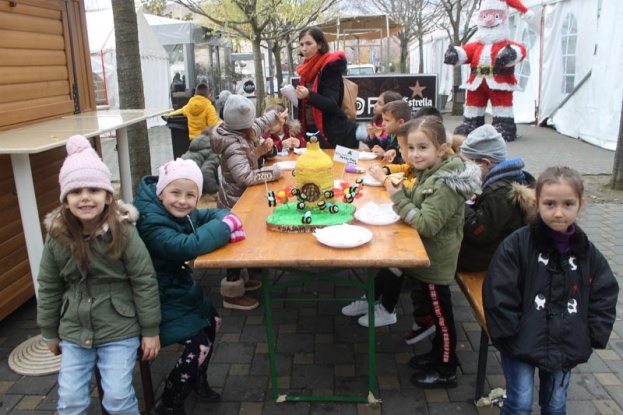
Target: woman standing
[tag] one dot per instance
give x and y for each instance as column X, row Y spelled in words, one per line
column 321, row 91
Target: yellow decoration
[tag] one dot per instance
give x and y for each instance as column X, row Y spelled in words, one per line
column 314, row 174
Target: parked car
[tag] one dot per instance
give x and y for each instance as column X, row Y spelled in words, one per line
column 360, row 70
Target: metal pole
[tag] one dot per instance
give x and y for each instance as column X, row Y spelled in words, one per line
column 387, row 34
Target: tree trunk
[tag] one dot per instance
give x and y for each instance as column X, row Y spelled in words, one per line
column 276, row 51
column 404, row 54
column 421, row 51
column 130, row 80
column 259, row 75
column 616, row 181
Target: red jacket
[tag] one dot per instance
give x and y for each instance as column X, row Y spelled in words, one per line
column 481, row 58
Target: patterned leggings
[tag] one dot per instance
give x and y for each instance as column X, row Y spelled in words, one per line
column 195, row 357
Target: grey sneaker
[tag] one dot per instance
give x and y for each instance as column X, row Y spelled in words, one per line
column 418, row 333
column 382, row 317
column 356, row 308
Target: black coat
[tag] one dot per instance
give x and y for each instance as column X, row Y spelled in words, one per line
column 338, row 129
column 546, row 308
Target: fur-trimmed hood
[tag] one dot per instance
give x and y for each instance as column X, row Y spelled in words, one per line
column 466, row 182
column 524, row 197
column 127, row 212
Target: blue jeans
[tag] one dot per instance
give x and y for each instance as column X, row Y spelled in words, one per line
column 520, row 388
column 115, row 361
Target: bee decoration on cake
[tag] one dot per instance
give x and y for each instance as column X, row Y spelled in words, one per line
column 306, row 218
column 272, row 202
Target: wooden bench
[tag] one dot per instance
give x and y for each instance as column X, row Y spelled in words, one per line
column 148, row 388
column 471, row 285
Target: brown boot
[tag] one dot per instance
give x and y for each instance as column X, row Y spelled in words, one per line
column 240, row 303
column 233, row 295
column 249, row 284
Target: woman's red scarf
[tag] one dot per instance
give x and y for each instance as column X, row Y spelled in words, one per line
column 308, row 72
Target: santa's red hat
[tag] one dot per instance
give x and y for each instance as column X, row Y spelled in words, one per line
column 502, row 5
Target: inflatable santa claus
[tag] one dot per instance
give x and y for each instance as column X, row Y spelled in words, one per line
column 492, row 58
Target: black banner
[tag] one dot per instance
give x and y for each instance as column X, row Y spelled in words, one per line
column 416, row 90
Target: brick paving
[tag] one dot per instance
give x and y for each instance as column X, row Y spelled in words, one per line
column 321, row 352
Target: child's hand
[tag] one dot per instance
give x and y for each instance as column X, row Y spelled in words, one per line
column 392, row 189
column 389, row 156
column 283, row 116
column 233, row 222
column 371, row 130
column 54, row 347
column 265, row 147
column 150, row 347
column 378, row 150
column 376, row 171
column 291, row 142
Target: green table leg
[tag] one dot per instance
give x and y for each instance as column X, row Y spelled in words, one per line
column 269, row 333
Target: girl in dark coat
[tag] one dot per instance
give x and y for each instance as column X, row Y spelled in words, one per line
column 176, row 232
column 549, row 297
column 321, row 91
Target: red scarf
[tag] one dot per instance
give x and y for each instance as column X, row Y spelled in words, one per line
column 308, row 70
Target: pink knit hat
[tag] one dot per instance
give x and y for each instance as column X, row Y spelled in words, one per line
column 179, row 169
column 83, row 168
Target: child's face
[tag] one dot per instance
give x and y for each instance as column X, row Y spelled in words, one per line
column 559, row 205
column 277, row 129
column 378, row 107
column 180, row 197
column 87, row 204
column 421, row 151
column 390, row 123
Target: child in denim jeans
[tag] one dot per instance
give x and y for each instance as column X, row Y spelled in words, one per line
column 97, row 287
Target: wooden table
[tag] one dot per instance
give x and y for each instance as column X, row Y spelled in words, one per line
column 20, row 143
column 395, row 245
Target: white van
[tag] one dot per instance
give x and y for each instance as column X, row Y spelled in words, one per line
column 360, row 70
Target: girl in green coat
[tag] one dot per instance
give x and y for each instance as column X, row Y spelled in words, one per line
column 97, row 287
column 435, row 207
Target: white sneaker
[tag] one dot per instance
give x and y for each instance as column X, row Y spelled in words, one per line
column 356, row 308
column 418, row 333
column 382, row 317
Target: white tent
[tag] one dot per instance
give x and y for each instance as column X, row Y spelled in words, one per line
column 572, row 77
column 154, row 61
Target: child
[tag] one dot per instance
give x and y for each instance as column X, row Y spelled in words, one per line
column 199, row 111
column 176, row 232
column 97, row 287
column 505, row 203
column 549, row 297
column 395, row 114
column 377, row 136
column 285, row 134
column 200, row 151
column 236, row 142
column 435, row 207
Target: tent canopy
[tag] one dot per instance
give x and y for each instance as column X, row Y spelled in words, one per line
column 171, row 31
column 360, row 27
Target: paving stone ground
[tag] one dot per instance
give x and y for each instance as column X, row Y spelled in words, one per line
column 321, row 352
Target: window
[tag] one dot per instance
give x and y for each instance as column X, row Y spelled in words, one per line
column 569, row 46
column 528, row 39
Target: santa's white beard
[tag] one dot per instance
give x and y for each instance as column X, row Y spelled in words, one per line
column 489, row 35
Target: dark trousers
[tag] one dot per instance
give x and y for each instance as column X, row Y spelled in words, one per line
column 195, row 357
column 439, row 300
column 387, row 286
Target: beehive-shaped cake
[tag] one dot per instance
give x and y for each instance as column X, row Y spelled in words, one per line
column 315, row 205
column 314, row 175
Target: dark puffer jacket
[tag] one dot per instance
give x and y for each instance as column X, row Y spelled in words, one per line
column 200, row 151
column 546, row 308
column 171, row 243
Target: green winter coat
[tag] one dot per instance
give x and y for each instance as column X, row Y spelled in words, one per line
column 435, row 207
column 110, row 300
column 171, row 243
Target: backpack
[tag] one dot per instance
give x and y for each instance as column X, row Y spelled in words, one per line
column 349, row 101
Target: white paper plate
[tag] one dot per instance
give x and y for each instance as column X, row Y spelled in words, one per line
column 286, row 165
column 371, row 181
column 373, row 214
column 299, row 151
column 343, row 236
column 367, row 155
